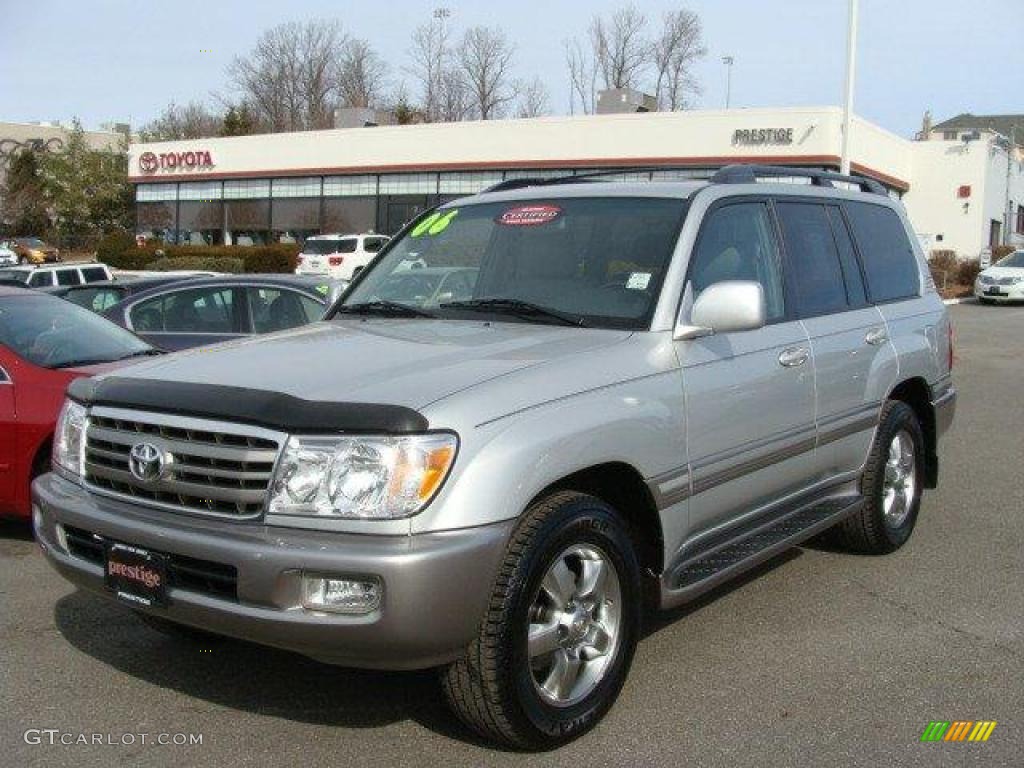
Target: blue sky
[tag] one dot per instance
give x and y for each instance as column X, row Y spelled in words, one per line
column 124, row 60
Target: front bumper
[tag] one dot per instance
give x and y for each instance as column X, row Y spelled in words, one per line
column 1006, row 292
column 436, row 586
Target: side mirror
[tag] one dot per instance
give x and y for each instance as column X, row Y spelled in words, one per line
column 726, row 307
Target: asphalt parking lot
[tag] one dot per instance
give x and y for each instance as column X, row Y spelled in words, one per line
column 820, row 658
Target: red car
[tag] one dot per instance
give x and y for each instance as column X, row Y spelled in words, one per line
column 45, row 342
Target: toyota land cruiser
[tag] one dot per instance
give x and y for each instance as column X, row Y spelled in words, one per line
column 595, row 393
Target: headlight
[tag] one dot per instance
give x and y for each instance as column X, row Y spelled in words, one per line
column 361, row 477
column 69, row 438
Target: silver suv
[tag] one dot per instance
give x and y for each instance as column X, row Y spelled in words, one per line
column 642, row 390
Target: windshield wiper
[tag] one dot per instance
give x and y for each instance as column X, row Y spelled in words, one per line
column 142, row 353
column 525, row 309
column 382, row 307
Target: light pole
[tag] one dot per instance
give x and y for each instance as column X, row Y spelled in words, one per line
column 728, row 60
column 851, row 69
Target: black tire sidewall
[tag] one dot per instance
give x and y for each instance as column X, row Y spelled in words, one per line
column 583, row 521
column 900, row 417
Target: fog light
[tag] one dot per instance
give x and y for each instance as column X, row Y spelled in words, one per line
column 352, row 595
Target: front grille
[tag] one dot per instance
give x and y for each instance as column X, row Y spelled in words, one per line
column 209, row 468
column 188, row 573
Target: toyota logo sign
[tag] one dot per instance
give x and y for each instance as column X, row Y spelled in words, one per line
column 148, row 162
column 146, row 462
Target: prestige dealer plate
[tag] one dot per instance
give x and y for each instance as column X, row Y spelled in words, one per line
column 136, row 575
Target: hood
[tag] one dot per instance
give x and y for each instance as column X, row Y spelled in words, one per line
column 405, row 362
column 1000, row 272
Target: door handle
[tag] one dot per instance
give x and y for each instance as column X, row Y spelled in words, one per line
column 876, row 337
column 794, row 356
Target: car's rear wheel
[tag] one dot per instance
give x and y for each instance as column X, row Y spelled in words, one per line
column 891, row 484
column 558, row 638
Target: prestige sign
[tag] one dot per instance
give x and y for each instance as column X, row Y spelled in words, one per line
column 151, row 162
column 760, row 136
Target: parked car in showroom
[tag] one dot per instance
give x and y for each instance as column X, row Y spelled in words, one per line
column 8, row 257
column 1003, row 281
column 651, row 388
column 339, row 256
column 45, row 343
column 214, row 309
column 32, row 250
column 54, row 276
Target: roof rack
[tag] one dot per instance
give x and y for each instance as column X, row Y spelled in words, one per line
column 749, row 174
column 504, row 186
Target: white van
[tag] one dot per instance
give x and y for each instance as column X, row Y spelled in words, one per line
column 338, row 256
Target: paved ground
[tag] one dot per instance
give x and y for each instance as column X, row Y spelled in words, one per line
column 819, row 659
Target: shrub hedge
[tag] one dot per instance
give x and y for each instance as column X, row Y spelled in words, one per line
column 121, row 253
column 203, row 263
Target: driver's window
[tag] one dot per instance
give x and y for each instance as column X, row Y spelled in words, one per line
column 736, row 242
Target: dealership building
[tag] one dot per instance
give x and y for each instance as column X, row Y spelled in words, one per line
column 287, row 186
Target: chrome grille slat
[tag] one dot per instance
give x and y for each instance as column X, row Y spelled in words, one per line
column 215, row 468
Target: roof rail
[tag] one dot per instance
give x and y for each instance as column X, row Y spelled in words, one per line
column 503, row 186
column 750, row 173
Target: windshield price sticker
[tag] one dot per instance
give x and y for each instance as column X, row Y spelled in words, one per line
column 529, row 215
column 638, row 281
column 434, row 224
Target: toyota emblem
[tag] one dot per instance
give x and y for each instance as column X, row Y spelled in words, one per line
column 146, row 462
column 148, row 162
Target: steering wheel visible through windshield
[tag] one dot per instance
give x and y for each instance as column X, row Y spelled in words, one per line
column 597, row 262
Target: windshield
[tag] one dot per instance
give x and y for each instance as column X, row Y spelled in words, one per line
column 54, row 333
column 32, row 242
column 323, row 247
column 1015, row 259
column 597, row 261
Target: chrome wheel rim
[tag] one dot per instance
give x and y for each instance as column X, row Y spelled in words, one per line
column 574, row 625
column 899, row 487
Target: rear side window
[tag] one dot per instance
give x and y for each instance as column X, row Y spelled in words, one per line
column 848, row 258
column 199, row 310
column 373, row 244
column 813, row 259
column 94, row 274
column 347, row 245
column 68, row 277
column 38, row 279
column 889, row 263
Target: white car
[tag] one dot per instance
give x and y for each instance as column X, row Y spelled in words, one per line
column 1003, row 281
column 338, row 256
column 58, row 275
column 7, row 256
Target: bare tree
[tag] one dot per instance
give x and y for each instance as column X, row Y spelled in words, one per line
column 676, row 51
column 454, row 100
column 531, row 98
column 361, row 75
column 194, row 120
column 430, row 56
column 484, row 59
column 582, row 77
column 621, row 48
column 289, row 78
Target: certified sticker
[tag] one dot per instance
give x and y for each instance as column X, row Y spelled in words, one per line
column 638, row 281
column 529, row 215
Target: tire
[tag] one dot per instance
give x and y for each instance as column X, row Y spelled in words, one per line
column 892, row 494
column 521, row 700
column 987, row 302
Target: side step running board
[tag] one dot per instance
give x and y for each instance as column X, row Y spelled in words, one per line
column 708, row 570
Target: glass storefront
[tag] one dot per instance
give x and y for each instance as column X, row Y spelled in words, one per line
column 292, row 220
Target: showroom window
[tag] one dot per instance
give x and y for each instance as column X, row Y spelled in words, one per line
column 349, row 215
column 146, row 193
column 350, row 186
column 294, row 219
column 307, row 187
column 155, row 221
column 199, row 190
column 247, row 222
column 201, row 222
column 468, row 183
column 408, row 184
column 244, row 189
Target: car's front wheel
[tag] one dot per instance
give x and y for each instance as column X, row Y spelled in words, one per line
column 557, row 640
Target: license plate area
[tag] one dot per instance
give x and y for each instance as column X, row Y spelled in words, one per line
column 993, row 292
column 135, row 575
